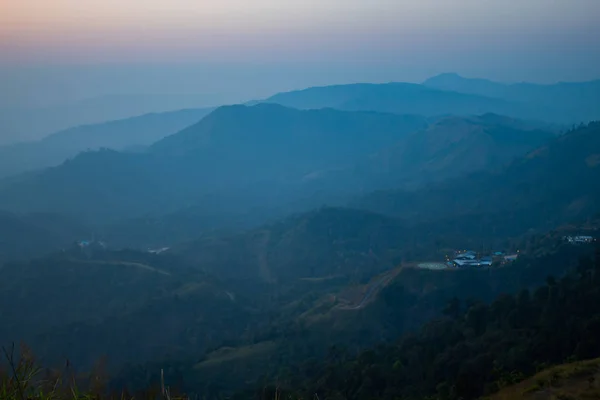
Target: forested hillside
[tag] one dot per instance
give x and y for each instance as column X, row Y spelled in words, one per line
column 452, row 147
column 328, row 242
column 265, row 152
column 146, row 193
column 126, row 306
column 551, row 185
column 243, row 300
column 389, row 241
column 476, row 349
column 301, row 335
column 269, row 200
column 25, row 236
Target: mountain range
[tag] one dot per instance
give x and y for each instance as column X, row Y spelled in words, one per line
column 20, row 123
column 485, row 205
column 440, row 95
column 132, row 134
column 451, row 147
column 550, row 185
column 401, row 98
column 443, row 95
column 263, row 152
column 279, row 159
column 450, row 94
column 242, row 276
column 567, row 102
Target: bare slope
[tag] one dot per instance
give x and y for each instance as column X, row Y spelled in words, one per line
column 579, row 380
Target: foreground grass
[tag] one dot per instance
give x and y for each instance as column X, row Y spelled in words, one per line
column 21, row 379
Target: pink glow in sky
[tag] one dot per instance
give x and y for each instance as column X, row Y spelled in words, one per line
column 267, row 30
column 62, row 51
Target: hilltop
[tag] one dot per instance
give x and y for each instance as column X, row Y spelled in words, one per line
column 276, row 144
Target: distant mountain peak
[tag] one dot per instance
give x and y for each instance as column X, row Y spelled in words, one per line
column 445, row 75
column 452, row 78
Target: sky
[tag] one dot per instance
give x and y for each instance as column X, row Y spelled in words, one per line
column 62, row 51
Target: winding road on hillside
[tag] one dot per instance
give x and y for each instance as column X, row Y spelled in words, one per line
column 371, row 290
column 263, row 262
column 123, row 263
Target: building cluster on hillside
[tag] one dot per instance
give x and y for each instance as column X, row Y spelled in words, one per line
column 91, row 243
column 579, row 239
column 469, row 258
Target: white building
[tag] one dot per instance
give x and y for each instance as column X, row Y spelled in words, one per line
column 579, row 239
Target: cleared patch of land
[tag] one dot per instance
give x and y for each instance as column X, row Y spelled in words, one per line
column 357, row 297
column 432, row 265
column 321, row 278
column 593, row 160
column 227, row 354
column 579, row 380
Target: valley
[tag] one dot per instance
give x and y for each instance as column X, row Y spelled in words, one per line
column 389, row 241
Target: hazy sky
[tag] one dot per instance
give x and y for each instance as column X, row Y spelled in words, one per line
column 57, row 51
